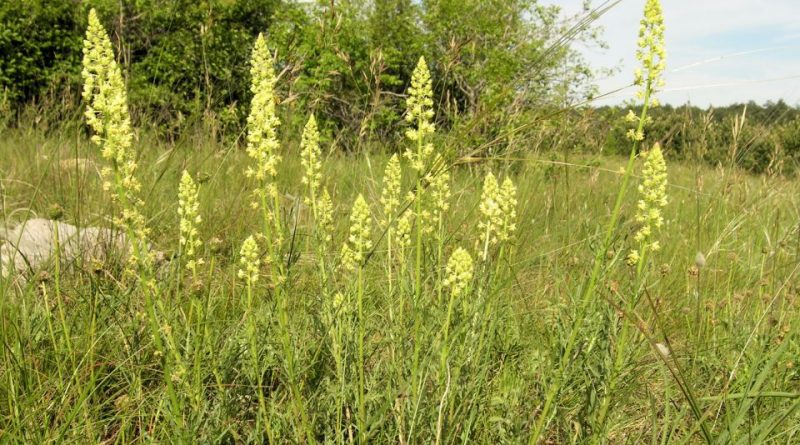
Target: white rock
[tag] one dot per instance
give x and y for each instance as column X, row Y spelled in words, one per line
column 31, row 244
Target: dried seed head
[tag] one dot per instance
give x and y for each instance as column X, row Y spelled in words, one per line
column 700, row 260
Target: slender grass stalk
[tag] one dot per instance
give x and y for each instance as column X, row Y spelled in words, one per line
column 587, row 290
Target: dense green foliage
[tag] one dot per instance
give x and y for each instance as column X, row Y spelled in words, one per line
column 85, row 360
column 350, row 61
column 758, row 138
column 478, row 292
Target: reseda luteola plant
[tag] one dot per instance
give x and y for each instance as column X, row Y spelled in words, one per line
column 189, row 213
column 647, row 78
column 653, row 196
column 107, row 115
column 419, row 281
column 402, row 319
column 264, row 150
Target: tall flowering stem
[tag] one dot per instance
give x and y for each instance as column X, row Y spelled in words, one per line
column 323, row 227
column 419, row 114
column 249, row 273
column 651, row 55
column 653, row 197
column 439, row 180
column 458, row 275
column 189, row 213
column 108, row 117
column 354, row 253
column 310, row 158
column 263, row 148
column 390, row 199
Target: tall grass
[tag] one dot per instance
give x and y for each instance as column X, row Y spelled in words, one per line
column 442, row 306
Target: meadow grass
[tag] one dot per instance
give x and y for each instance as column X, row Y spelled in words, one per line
column 78, row 363
column 473, row 299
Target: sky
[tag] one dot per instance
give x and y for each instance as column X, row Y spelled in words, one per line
column 718, row 51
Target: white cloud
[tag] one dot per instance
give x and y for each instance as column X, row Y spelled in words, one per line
column 718, row 51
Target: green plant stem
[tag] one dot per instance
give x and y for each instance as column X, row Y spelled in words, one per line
column 587, row 292
column 362, row 407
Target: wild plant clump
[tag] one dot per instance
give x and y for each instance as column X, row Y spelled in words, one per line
column 438, row 304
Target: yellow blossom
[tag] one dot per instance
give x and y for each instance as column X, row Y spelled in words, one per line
column 650, row 50
column 310, row 155
column 390, row 195
column 324, row 220
column 458, row 272
column 507, row 199
column 419, row 113
column 108, row 117
column 439, row 194
column 498, row 208
column 189, row 212
column 249, row 261
column 262, row 123
column 359, row 242
column 404, row 226
column 653, row 192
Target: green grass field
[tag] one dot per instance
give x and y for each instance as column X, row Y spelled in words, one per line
column 80, row 365
column 274, row 290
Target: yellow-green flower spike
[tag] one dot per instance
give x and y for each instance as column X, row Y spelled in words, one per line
column 104, row 93
column 653, row 193
column 508, row 208
column 310, row 158
column 108, row 117
column 324, row 220
column 419, row 113
column 249, row 261
column 650, row 52
column 439, row 195
column 404, row 226
column 359, row 242
column 458, row 272
column 390, row 195
column 490, row 210
column 262, row 123
column 499, row 213
column 189, row 212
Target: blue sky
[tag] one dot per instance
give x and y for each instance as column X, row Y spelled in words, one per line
column 718, row 51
